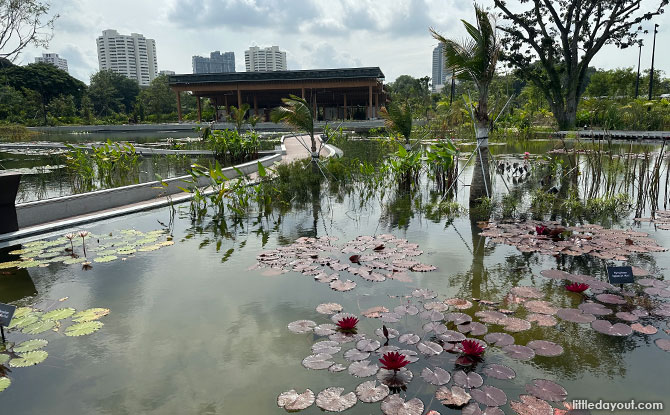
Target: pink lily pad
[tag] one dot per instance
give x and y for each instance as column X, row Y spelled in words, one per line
column 293, row 401
column 663, row 344
column 610, row 299
column 395, row 405
column 367, row 345
column 458, row 318
column 458, row 303
column 318, row 361
column 424, row 293
column 325, row 329
column 436, row 376
column 617, row 329
column 499, row 339
column 644, row 329
column 595, row 309
column 468, row 380
column 519, row 352
column 301, row 326
column 515, row 325
column 545, row 348
column 575, row 315
column 547, row 390
column 363, row 368
column 531, row 405
column 429, row 348
column 542, row 320
column 526, row 292
column 409, row 338
column 328, row 308
column 456, row 396
column 332, row 400
column 353, row 355
column 339, row 285
column 393, row 379
column 370, row 392
column 451, row 336
column 499, row 372
column 540, row 307
column 489, row 396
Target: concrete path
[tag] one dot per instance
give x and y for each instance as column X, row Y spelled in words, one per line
column 293, row 151
column 618, row 134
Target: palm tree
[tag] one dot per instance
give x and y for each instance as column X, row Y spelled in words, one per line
column 475, row 59
column 398, row 118
column 237, row 114
column 297, row 113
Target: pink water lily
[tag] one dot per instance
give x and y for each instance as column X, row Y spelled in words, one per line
column 472, row 348
column 347, row 324
column 577, row 287
column 393, row 361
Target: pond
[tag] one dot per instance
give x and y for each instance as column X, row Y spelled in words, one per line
column 197, row 327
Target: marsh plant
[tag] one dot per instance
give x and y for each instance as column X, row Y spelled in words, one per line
column 233, row 147
column 107, row 165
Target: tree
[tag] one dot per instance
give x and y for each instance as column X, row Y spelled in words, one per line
column 297, row 113
column 552, row 43
column 475, row 59
column 112, row 92
column 23, row 22
column 46, row 80
column 237, row 115
column 398, row 118
column 158, row 98
column 413, row 91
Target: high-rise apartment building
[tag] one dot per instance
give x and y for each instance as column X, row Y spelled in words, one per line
column 265, row 59
column 441, row 75
column 53, row 59
column 216, row 63
column 133, row 56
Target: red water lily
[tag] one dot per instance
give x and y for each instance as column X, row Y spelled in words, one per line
column 577, row 287
column 472, row 348
column 347, row 323
column 393, row 361
column 542, row 230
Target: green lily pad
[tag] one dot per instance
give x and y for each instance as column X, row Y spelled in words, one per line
column 30, row 345
column 30, row 264
column 126, row 251
column 90, row 314
column 19, row 251
column 48, row 255
column 24, row 321
column 74, row 261
column 149, row 248
column 106, row 258
column 40, row 327
column 4, row 358
column 59, row 314
column 29, row 359
column 82, row 329
column 4, row 383
column 22, row 312
column 10, row 264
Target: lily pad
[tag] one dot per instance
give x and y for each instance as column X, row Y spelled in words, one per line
column 610, row 299
column 339, row 285
column 353, row 355
column 4, row 383
column 515, row 325
column 640, row 328
column 325, row 329
column 468, row 380
column 456, row 396
column 363, row 368
column 368, row 345
column 531, row 405
column 59, row 314
column 489, row 396
column 429, row 348
column 39, row 327
column 545, row 348
column 519, row 352
column 90, row 315
column 301, row 326
column 663, row 344
column 318, row 361
column 616, row 329
column 83, row 329
column 29, row 359
column 393, row 379
column 451, row 336
column 332, row 400
column 326, row 346
column 106, row 258
column 409, row 338
column 547, row 390
column 575, row 315
column 24, row 321
column 395, row 405
column 542, row 320
column 595, row 309
column 370, row 392
column 436, row 376
column 540, row 307
column 499, row 372
column 30, row 345
column 293, row 401
column 458, row 303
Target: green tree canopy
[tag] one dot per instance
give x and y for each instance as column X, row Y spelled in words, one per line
column 158, row 98
column 112, row 92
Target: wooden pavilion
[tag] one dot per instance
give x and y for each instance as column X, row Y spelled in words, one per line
column 335, row 94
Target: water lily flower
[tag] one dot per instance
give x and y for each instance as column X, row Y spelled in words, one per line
column 347, row 324
column 472, row 348
column 83, row 235
column 393, row 361
column 71, row 236
column 577, row 287
column 526, row 155
column 542, row 230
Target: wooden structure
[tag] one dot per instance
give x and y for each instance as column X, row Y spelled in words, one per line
column 335, row 94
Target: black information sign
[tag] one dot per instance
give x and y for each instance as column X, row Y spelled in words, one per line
column 6, row 314
column 620, row 275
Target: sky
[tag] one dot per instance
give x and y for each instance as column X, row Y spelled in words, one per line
column 391, row 34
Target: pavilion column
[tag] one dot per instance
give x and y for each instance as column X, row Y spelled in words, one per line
column 303, row 93
column 239, row 99
column 178, row 105
column 346, row 115
column 255, row 106
column 370, row 102
column 376, row 104
column 199, row 109
column 225, row 105
column 216, row 110
column 316, row 115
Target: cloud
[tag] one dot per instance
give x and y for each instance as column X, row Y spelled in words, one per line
column 324, row 55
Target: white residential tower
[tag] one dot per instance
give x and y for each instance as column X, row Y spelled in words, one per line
column 265, row 59
column 53, row 59
column 133, row 56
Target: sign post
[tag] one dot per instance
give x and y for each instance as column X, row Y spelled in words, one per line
column 620, row 275
column 6, row 314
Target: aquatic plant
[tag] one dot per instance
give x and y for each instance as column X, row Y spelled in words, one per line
column 393, row 361
column 577, row 287
column 70, row 236
column 347, row 324
column 83, row 235
column 471, row 348
column 232, row 146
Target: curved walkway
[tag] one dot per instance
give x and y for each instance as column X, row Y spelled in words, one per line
column 33, row 215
